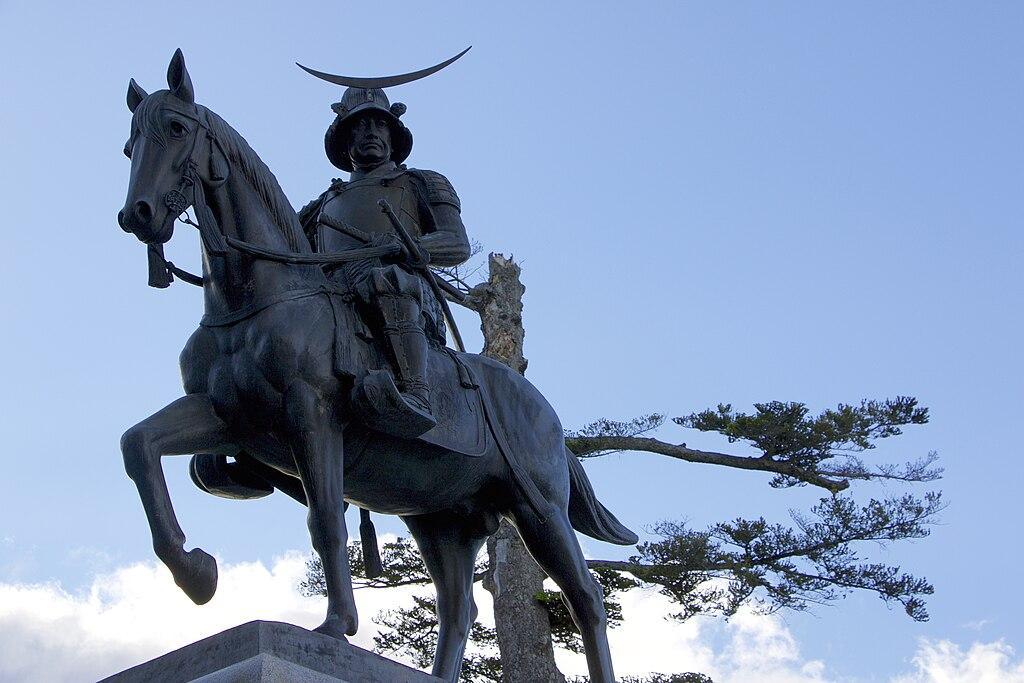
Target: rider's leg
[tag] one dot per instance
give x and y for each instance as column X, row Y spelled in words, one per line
column 449, row 545
column 400, row 407
column 317, row 444
column 399, row 297
column 188, row 425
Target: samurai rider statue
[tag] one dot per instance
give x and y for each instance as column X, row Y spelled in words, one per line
column 369, row 140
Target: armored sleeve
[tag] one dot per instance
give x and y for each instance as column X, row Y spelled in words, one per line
column 445, row 237
column 438, row 189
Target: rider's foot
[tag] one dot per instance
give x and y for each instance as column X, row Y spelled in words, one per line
column 418, row 405
column 382, row 407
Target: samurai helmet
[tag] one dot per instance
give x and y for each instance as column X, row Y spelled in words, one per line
column 357, row 101
column 367, row 94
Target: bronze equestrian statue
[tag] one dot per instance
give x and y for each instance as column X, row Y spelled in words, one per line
column 275, row 377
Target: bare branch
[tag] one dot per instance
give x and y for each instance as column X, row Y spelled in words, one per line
column 920, row 470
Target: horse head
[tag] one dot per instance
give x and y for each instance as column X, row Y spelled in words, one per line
column 174, row 154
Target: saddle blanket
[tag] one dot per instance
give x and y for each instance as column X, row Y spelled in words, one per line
column 456, row 405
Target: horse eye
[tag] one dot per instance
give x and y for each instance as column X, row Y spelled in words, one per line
column 177, row 130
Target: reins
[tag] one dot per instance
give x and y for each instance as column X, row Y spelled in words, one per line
column 266, row 254
column 162, row 271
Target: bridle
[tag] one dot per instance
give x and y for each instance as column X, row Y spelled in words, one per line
column 162, row 271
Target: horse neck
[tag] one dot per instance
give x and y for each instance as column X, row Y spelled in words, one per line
column 235, row 280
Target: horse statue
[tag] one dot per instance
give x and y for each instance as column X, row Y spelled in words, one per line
column 269, row 377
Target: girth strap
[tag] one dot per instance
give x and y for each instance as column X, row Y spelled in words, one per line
column 232, row 317
column 313, row 259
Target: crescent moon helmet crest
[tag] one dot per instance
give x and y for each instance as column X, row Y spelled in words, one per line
column 363, row 94
column 383, row 81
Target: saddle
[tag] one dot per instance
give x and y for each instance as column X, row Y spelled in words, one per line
column 454, row 393
column 456, row 403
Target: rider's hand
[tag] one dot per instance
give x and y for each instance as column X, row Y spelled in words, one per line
column 382, row 239
column 386, row 238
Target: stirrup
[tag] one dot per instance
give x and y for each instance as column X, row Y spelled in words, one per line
column 380, row 406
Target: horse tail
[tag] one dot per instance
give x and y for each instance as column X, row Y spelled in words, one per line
column 587, row 514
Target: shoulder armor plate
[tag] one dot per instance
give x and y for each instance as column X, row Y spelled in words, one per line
column 439, row 190
column 308, row 215
column 310, row 210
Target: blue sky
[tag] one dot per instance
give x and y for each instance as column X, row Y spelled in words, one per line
column 711, row 202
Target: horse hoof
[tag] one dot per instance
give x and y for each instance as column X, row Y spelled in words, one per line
column 198, row 576
column 332, row 627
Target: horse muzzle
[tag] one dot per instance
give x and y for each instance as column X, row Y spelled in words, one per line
column 138, row 215
column 139, row 218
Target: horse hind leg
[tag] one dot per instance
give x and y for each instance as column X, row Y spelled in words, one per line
column 552, row 542
column 188, row 425
column 449, row 545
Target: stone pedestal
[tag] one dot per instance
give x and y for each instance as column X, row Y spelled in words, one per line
column 265, row 651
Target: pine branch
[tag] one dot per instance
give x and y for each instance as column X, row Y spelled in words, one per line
column 401, row 564
column 795, row 447
column 595, row 446
column 764, row 563
column 413, row 632
column 920, row 470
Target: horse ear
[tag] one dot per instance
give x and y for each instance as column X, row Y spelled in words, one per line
column 178, row 80
column 135, row 95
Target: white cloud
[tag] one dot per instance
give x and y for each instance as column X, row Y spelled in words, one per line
column 646, row 643
column 977, row 624
column 942, row 661
column 753, row 647
column 761, row 648
column 136, row 613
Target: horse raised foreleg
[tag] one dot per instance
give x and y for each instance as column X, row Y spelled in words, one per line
column 317, row 445
column 449, row 548
column 186, row 426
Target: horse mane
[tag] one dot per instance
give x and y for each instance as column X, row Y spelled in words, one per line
column 146, row 119
column 260, row 177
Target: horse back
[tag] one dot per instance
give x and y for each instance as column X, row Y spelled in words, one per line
column 456, row 404
column 473, row 397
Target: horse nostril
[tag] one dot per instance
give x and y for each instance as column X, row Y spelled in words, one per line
column 143, row 211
